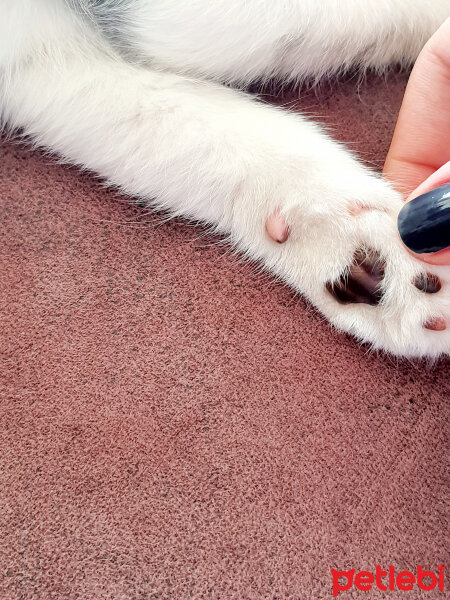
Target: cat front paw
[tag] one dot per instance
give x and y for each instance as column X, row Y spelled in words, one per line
column 335, row 240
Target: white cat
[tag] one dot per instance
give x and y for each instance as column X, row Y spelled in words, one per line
column 126, row 88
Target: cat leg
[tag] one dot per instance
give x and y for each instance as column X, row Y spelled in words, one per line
column 211, row 154
column 237, row 41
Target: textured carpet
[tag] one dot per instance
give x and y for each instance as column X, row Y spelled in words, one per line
column 175, row 425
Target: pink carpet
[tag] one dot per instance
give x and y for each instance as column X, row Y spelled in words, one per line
column 175, row 425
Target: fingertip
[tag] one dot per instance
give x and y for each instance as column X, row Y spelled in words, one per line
column 424, row 221
column 441, row 258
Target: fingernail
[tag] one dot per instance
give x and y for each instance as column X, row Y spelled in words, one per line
column 424, row 223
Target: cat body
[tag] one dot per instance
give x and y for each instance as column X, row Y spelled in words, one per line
column 133, row 90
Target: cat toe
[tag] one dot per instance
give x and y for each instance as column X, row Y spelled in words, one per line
column 362, row 282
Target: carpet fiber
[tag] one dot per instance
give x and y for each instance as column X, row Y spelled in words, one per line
column 175, row 425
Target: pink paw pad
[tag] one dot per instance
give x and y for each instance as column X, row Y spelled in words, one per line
column 436, row 324
column 277, row 228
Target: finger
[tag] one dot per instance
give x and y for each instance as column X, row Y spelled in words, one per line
column 420, row 144
column 424, row 221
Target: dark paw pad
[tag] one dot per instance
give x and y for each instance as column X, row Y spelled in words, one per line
column 428, row 283
column 361, row 284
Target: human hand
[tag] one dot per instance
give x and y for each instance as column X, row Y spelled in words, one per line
column 419, row 148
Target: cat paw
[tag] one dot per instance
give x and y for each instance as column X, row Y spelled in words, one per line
column 341, row 249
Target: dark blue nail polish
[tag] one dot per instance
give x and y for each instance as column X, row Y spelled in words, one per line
column 424, row 223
